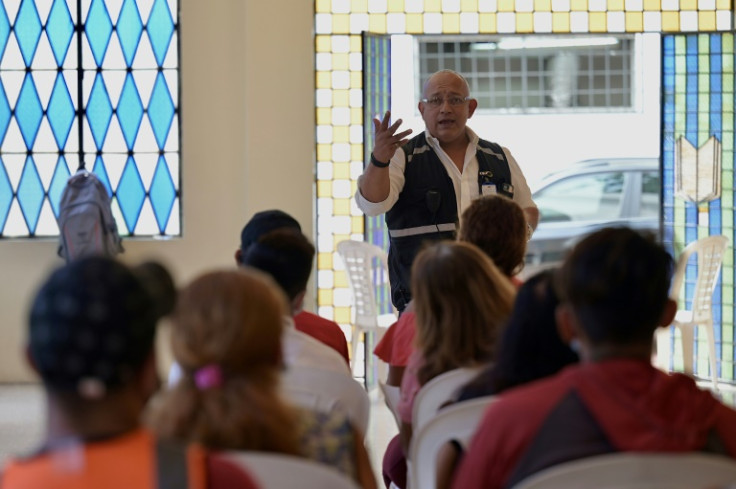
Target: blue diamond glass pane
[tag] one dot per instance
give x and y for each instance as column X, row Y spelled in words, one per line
column 129, row 29
column 98, row 27
column 27, row 30
column 162, row 193
column 30, row 194
column 4, row 31
column 161, row 110
column 58, row 182
column 160, row 29
column 60, row 111
column 99, row 111
column 130, row 111
column 28, row 111
column 101, row 172
column 6, row 196
column 4, row 113
column 130, row 194
column 59, row 29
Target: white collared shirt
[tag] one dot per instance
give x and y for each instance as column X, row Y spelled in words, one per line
column 301, row 350
column 465, row 183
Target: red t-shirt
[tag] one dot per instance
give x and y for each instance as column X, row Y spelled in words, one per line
column 397, row 343
column 323, row 330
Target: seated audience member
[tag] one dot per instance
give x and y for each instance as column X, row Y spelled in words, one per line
column 461, row 300
column 496, row 225
column 286, row 255
column 226, row 337
column 324, row 330
column 614, row 291
column 530, row 348
column 91, row 334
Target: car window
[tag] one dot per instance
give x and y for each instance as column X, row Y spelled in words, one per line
column 582, row 197
column 650, row 188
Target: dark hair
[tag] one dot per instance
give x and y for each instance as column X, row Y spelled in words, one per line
column 617, row 282
column 160, row 285
column 286, row 255
column 530, row 347
column 264, row 222
column 496, row 225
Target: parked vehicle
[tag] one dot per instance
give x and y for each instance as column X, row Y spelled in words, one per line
column 590, row 195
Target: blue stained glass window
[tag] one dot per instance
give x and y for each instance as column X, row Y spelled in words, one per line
column 90, row 83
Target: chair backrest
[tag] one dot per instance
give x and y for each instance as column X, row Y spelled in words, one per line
column 366, row 266
column 438, row 391
column 638, row 471
column 277, row 471
column 709, row 251
column 455, row 422
column 391, row 395
column 327, row 391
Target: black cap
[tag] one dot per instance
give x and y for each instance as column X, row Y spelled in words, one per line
column 92, row 326
column 264, row 222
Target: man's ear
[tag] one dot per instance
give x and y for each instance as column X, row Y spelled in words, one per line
column 420, row 106
column 566, row 323
column 472, row 105
column 239, row 257
column 668, row 313
column 297, row 303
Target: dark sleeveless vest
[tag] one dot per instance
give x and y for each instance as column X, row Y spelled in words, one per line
column 426, row 210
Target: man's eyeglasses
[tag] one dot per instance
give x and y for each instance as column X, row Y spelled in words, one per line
column 454, row 101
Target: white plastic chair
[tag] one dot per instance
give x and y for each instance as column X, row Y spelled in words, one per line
column 436, row 392
column 277, row 471
column 366, row 267
column 326, row 391
column 392, row 396
column 638, row 471
column 456, row 422
column 709, row 251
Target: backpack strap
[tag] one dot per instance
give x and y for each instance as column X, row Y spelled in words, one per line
column 171, row 466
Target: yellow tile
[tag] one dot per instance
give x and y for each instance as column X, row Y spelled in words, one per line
column 324, row 296
column 356, row 115
column 340, row 62
column 487, row 23
column 578, row 5
column 340, row 279
column 324, row 261
column 324, row 79
column 340, row 134
column 323, row 6
column 450, row 23
column 615, row 5
column 524, row 22
column 597, row 22
column 324, row 152
column 341, row 23
column 341, row 207
column 468, row 5
column 353, row 187
column 356, row 79
column 341, row 98
column 356, row 152
column 414, row 24
column 359, row 6
column 688, row 4
column 723, row 4
column 377, row 23
column 542, row 5
column 342, row 315
column 431, row 6
column 341, row 171
column 670, row 21
column 634, row 21
column 560, row 21
column 323, row 116
column 356, row 44
column 323, row 44
column 396, row 6
column 506, row 6
column 707, row 21
column 652, row 5
column 324, row 188
column 357, row 224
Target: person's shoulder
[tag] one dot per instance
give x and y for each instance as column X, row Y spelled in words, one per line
column 310, row 319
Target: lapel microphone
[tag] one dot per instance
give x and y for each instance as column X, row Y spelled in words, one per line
column 434, row 199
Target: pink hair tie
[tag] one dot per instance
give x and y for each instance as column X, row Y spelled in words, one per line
column 208, row 377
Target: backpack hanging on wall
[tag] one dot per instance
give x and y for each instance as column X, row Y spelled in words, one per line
column 86, row 224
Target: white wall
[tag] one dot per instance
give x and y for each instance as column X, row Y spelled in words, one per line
column 247, row 145
column 543, row 143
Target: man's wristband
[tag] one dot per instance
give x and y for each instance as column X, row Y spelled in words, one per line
column 377, row 163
